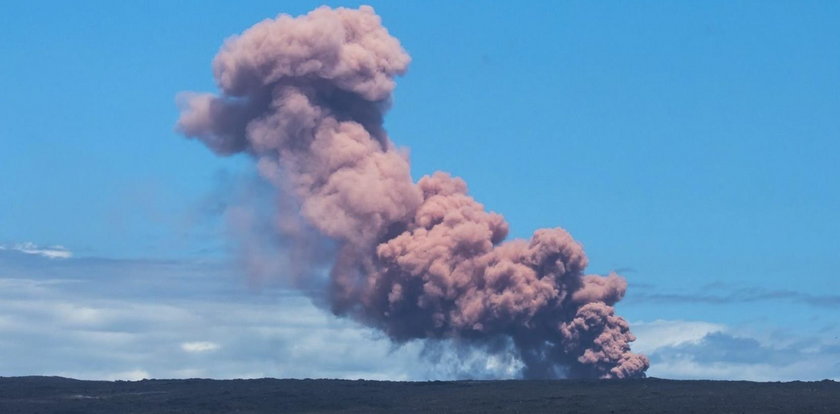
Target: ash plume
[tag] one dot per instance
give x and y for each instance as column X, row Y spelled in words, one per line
column 305, row 98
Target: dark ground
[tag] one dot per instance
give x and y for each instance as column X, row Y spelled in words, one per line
column 33, row 395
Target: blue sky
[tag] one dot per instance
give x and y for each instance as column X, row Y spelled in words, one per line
column 691, row 146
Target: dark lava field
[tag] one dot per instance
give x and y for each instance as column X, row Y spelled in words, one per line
column 33, row 395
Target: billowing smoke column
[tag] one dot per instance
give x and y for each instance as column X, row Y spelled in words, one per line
column 305, row 97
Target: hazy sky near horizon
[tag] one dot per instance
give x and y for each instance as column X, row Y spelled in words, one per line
column 692, row 147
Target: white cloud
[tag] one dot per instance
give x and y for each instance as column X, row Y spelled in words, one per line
column 118, row 316
column 136, row 374
column 202, row 346
column 133, row 375
column 704, row 350
column 651, row 336
column 685, row 367
column 50, row 252
column 80, row 315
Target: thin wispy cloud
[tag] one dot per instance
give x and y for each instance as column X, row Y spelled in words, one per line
column 201, row 346
column 737, row 296
column 50, row 252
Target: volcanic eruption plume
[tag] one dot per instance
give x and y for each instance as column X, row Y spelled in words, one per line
column 305, row 97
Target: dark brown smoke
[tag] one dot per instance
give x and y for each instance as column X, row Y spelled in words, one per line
column 305, row 97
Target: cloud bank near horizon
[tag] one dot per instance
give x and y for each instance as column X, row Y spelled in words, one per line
column 93, row 318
